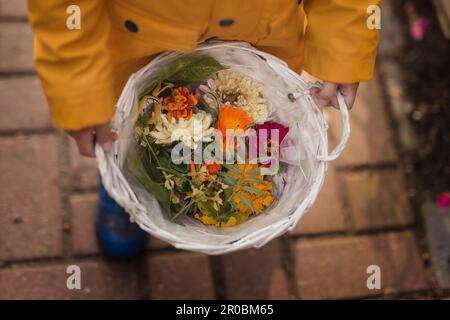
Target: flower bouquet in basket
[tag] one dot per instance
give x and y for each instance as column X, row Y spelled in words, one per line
column 207, row 146
column 219, row 150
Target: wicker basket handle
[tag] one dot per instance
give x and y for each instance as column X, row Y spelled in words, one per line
column 345, row 131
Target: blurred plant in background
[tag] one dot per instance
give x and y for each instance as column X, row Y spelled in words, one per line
column 425, row 64
column 417, row 24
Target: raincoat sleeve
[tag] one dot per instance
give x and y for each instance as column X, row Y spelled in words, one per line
column 73, row 65
column 339, row 47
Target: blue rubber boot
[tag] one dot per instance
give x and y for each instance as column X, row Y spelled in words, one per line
column 118, row 237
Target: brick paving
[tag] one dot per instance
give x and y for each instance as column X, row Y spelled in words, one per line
column 335, row 267
column 180, row 275
column 83, row 208
column 256, row 273
column 31, row 202
column 16, row 111
column 323, row 217
column 48, row 200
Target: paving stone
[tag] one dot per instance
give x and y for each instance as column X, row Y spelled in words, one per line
column 109, row 280
column 83, row 212
column 31, row 213
column 155, row 243
column 15, row 8
column 23, row 104
column 371, row 138
column 256, row 274
column 16, row 47
column 83, row 170
column 99, row 280
column 327, row 213
column 180, row 275
column 335, row 268
column 377, row 199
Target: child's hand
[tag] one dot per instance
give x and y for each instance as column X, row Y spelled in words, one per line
column 86, row 139
column 326, row 96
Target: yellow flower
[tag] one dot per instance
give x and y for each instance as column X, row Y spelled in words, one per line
column 249, row 170
column 260, row 200
column 232, row 221
column 205, row 219
column 208, row 220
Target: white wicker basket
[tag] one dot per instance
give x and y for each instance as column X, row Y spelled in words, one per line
column 306, row 172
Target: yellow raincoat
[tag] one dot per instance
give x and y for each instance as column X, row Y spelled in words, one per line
column 84, row 70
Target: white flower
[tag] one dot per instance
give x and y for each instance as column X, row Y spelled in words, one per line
column 197, row 195
column 169, row 183
column 190, row 132
column 241, row 91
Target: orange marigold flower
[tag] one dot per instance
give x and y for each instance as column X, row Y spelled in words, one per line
column 181, row 104
column 233, row 118
column 212, row 166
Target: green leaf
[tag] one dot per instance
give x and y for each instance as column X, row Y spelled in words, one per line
column 232, row 168
column 253, row 180
column 246, row 202
column 186, row 70
column 211, row 209
column 252, row 190
column 226, row 211
column 190, row 69
column 181, row 168
column 151, row 161
column 227, row 178
column 164, row 158
column 183, row 210
column 254, row 171
column 150, row 166
column 228, row 193
column 137, row 168
column 150, row 88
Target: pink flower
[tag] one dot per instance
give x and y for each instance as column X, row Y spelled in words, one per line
column 418, row 28
column 269, row 135
column 443, row 200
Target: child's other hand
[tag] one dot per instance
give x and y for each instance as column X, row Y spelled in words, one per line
column 86, row 139
column 326, row 96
